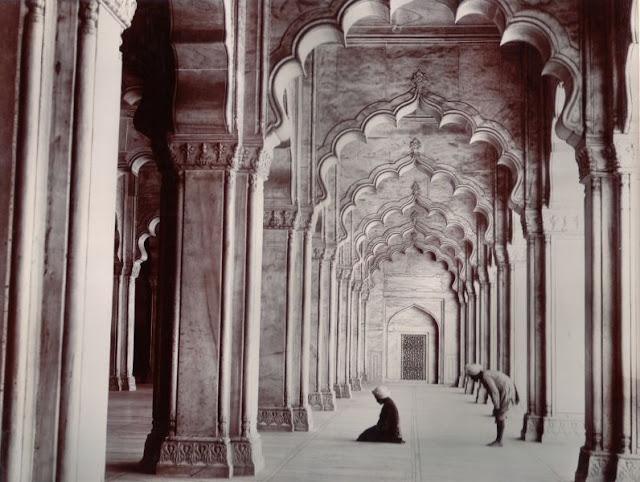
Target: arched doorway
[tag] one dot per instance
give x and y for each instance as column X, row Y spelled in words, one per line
column 412, row 346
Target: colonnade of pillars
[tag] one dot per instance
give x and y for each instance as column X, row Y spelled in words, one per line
column 205, row 411
column 324, row 321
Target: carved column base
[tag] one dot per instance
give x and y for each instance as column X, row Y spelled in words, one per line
column 344, row 390
column 275, row 419
column 329, row 400
column 356, row 384
column 302, row 419
column 607, row 467
column 188, row 456
column 122, row 384
column 532, row 428
column 247, row 456
column 202, row 456
column 315, row 401
column 561, row 428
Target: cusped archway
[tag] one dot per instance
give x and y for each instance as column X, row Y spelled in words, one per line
column 412, row 345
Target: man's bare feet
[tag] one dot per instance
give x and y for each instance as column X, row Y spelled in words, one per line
column 495, row 443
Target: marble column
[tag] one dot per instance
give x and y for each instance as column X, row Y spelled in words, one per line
column 206, row 379
column 293, row 246
column 462, row 330
column 302, row 419
column 533, row 424
column 325, row 398
column 122, row 330
column 317, row 368
column 362, row 336
column 123, row 316
column 483, row 334
column 503, row 275
column 471, row 324
column 611, row 451
column 354, row 355
column 278, row 315
column 343, row 387
column 518, row 298
column 153, row 290
column 484, row 312
column 334, row 293
column 565, row 301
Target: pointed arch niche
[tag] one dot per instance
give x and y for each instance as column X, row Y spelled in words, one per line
column 409, row 322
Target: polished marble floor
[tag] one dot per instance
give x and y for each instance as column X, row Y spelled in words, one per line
column 445, row 431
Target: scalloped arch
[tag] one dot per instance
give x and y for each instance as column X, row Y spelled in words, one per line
column 448, row 113
column 152, row 231
column 549, row 37
column 402, row 206
column 403, row 165
column 392, row 250
column 408, row 229
column 533, row 27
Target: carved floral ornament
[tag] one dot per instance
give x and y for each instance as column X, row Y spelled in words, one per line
column 280, row 218
column 219, row 156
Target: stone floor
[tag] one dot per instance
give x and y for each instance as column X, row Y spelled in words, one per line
column 445, row 431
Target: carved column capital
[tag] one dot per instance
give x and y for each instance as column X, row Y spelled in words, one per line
column 260, row 162
column 280, row 218
column 329, row 254
column 596, row 158
column 532, row 221
column 304, row 219
column 344, row 273
column 198, row 155
column 502, row 255
column 357, row 285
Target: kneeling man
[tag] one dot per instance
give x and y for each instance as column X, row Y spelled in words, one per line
column 388, row 427
column 502, row 391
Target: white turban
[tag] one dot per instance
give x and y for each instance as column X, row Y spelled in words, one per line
column 381, row 392
column 473, row 369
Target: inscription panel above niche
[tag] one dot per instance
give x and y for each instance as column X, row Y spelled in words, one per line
column 413, row 283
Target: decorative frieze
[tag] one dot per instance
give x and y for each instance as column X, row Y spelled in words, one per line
column 278, row 419
column 561, row 428
column 532, row 428
column 628, row 468
column 196, row 155
column 328, row 401
column 301, row 419
column 244, row 454
column 206, row 155
column 315, row 401
column 280, row 218
column 356, row 384
column 193, row 452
